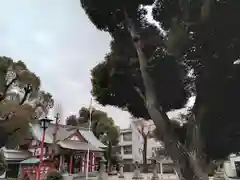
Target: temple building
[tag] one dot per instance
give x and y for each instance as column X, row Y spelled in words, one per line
column 71, row 145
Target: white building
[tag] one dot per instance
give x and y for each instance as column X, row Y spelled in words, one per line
column 131, row 143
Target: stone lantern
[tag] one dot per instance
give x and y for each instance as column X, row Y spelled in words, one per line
column 137, row 174
column 102, row 171
column 154, row 168
column 121, row 165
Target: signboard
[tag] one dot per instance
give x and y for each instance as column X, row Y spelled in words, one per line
column 36, row 151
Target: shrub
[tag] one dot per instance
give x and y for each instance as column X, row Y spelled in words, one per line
column 54, row 175
column 3, row 163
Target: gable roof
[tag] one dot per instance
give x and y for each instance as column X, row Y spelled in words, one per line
column 63, row 132
column 91, row 138
column 78, row 145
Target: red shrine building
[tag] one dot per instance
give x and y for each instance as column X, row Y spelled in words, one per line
column 72, row 144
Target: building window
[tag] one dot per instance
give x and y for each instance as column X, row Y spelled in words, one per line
column 127, row 136
column 127, row 149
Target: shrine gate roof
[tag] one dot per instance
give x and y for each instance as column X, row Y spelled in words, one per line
column 65, row 132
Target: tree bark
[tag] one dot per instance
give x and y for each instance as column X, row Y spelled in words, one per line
column 27, row 89
column 7, row 86
column 109, row 156
column 186, row 166
column 197, row 144
column 145, row 165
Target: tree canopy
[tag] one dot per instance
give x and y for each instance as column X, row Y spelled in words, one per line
column 117, row 81
column 21, row 101
column 103, row 127
column 201, row 38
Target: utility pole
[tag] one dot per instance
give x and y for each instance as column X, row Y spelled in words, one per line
column 58, row 110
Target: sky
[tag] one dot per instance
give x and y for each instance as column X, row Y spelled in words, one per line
column 57, row 41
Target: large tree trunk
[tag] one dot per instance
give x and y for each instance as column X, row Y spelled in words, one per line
column 109, row 157
column 197, row 143
column 186, row 166
column 145, row 165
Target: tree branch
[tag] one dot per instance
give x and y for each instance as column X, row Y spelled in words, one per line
column 140, row 93
column 7, row 86
column 27, row 90
column 178, row 152
column 6, row 117
column 14, row 131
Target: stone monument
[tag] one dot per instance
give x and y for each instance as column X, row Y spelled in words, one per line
column 154, row 166
column 121, row 174
column 137, row 174
column 102, row 171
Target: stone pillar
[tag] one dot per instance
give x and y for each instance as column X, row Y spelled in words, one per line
column 121, row 174
column 155, row 174
column 102, row 172
column 161, row 168
column 137, row 174
column 114, row 170
column 83, row 162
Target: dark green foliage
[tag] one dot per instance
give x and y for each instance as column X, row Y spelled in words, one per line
column 215, row 45
column 3, row 164
column 115, row 80
column 17, row 108
column 108, row 14
column 202, row 36
column 54, row 175
column 220, row 125
column 72, row 120
column 3, row 136
column 103, row 127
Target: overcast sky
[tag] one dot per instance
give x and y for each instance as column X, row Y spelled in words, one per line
column 56, row 41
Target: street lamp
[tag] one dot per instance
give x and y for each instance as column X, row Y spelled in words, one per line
column 44, row 123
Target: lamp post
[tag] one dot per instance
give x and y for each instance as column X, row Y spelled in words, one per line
column 44, row 123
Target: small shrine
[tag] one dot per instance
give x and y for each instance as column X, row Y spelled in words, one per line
column 72, row 145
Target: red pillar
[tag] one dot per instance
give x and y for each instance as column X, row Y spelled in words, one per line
column 41, row 155
column 85, row 162
column 93, row 165
column 70, row 164
column 90, row 162
column 82, row 161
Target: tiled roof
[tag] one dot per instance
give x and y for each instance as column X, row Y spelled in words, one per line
column 64, row 132
column 15, row 155
column 89, row 136
column 77, row 145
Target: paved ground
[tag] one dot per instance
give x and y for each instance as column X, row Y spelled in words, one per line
column 128, row 176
